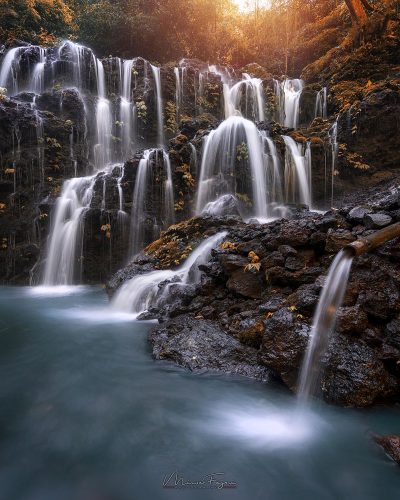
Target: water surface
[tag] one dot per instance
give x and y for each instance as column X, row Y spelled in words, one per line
column 87, row 414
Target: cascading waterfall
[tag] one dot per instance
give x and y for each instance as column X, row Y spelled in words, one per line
column 333, row 141
column 138, row 213
column 321, row 104
column 169, row 192
column 324, row 323
column 8, row 73
column 218, row 175
column 251, row 91
column 65, row 241
column 142, row 292
column 273, row 171
column 127, row 109
column 237, row 159
column 122, row 215
column 159, row 105
column 140, row 192
column 297, row 173
column 38, row 73
column 288, row 93
column 102, row 150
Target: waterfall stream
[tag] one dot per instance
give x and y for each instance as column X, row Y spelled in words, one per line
column 323, row 324
column 140, row 293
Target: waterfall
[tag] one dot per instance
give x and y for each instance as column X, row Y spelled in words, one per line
column 127, row 111
column 321, row 104
column 179, row 91
column 102, row 150
column 38, row 73
column 297, row 173
column 169, row 201
column 288, row 93
column 9, row 71
column 324, row 323
column 159, row 104
column 251, row 91
column 140, row 198
column 40, row 142
column 138, row 213
column 65, row 240
column 273, row 171
column 75, row 53
column 193, row 158
column 218, row 172
column 142, row 292
column 333, row 141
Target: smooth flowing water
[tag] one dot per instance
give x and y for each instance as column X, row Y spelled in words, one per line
column 138, row 294
column 324, row 323
column 86, row 413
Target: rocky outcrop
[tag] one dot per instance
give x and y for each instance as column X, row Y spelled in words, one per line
column 261, row 288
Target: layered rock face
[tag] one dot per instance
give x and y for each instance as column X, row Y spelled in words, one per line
column 52, row 130
column 261, row 288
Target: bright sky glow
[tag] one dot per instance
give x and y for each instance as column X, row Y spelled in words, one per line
column 249, row 5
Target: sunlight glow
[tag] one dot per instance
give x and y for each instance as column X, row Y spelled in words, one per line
column 250, row 5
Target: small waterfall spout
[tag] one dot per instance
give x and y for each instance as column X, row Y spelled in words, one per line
column 324, row 323
column 144, row 291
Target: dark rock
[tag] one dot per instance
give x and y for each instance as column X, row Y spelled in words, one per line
column 305, row 299
column 351, row 320
column 354, row 376
column 357, row 214
column 274, row 259
column 246, row 283
column 201, row 344
column 294, row 263
column 284, row 342
column 337, row 239
column 293, row 234
column 376, row 221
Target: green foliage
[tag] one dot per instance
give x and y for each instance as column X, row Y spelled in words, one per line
column 242, row 152
column 38, row 21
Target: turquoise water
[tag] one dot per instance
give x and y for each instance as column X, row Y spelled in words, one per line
column 87, row 414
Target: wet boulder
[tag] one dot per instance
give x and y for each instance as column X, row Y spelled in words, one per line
column 354, row 376
column 284, row 343
column 225, row 205
column 199, row 344
column 377, row 221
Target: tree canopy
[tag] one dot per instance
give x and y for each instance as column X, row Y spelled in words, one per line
column 285, row 36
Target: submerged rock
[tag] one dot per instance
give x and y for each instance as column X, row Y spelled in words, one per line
column 391, row 444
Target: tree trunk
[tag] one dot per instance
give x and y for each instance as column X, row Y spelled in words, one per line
column 357, row 11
